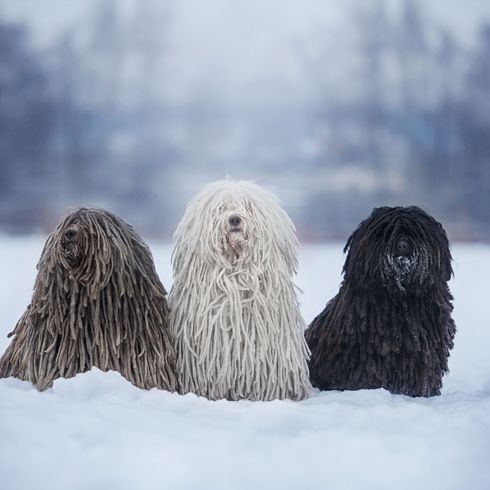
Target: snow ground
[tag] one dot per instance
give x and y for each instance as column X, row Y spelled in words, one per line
column 97, row 431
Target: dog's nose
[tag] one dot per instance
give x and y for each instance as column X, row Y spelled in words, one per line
column 403, row 247
column 234, row 220
column 71, row 234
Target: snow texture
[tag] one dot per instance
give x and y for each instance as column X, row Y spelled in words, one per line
column 97, row 431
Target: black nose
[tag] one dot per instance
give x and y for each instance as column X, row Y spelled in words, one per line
column 234, row 220
column 403, row 247
column 71, row 234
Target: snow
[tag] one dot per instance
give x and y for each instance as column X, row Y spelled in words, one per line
column 97, row 431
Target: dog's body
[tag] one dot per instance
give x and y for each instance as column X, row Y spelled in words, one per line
column 235, row 318
column 97, row 302
column 390, row 325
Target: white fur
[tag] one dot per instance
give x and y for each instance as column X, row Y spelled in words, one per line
column 235, row 316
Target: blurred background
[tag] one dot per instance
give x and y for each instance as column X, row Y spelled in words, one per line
column 335, row 106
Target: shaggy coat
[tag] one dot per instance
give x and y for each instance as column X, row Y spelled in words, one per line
column 235, row 317
column 97, row 302
column 390, row 325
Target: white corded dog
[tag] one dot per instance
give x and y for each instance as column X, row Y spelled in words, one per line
column 235, row 317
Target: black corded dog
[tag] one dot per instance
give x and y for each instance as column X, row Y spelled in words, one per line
column 390, row 325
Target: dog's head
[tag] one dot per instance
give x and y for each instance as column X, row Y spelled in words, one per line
column 398, row 248
column 89, row 245
column 236, row 222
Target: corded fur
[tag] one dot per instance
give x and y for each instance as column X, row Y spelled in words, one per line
column 97, row 301
column 235, row 316
column 390, row 324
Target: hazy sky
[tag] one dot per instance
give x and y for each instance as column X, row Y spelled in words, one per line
column 49, row 16
column 255, row 47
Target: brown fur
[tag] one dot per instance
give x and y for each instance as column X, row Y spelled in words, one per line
column 98, row 302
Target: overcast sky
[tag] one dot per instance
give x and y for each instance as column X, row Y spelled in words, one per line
column 49, row 16
column 255, row 47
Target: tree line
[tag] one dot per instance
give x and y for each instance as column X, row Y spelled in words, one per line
column 87, row 121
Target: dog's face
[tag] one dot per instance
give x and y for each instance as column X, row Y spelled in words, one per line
column 235, row 224
column 401, row 249
column 402, row 260
column 72, row 242
column 236, row 238
column 88, row 246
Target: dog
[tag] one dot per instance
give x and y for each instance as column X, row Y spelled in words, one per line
column 97, row 301
column 235, row 317
column 390, row 325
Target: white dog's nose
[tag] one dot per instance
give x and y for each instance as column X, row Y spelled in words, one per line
column 234, row 220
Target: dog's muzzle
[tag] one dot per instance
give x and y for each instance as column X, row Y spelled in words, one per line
column 71, row 246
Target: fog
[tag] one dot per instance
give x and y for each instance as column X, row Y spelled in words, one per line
column 337, row 107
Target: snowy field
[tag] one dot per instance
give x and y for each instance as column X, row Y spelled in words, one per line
column 97, row 431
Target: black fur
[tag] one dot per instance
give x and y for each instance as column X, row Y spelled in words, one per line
column 390, row 325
